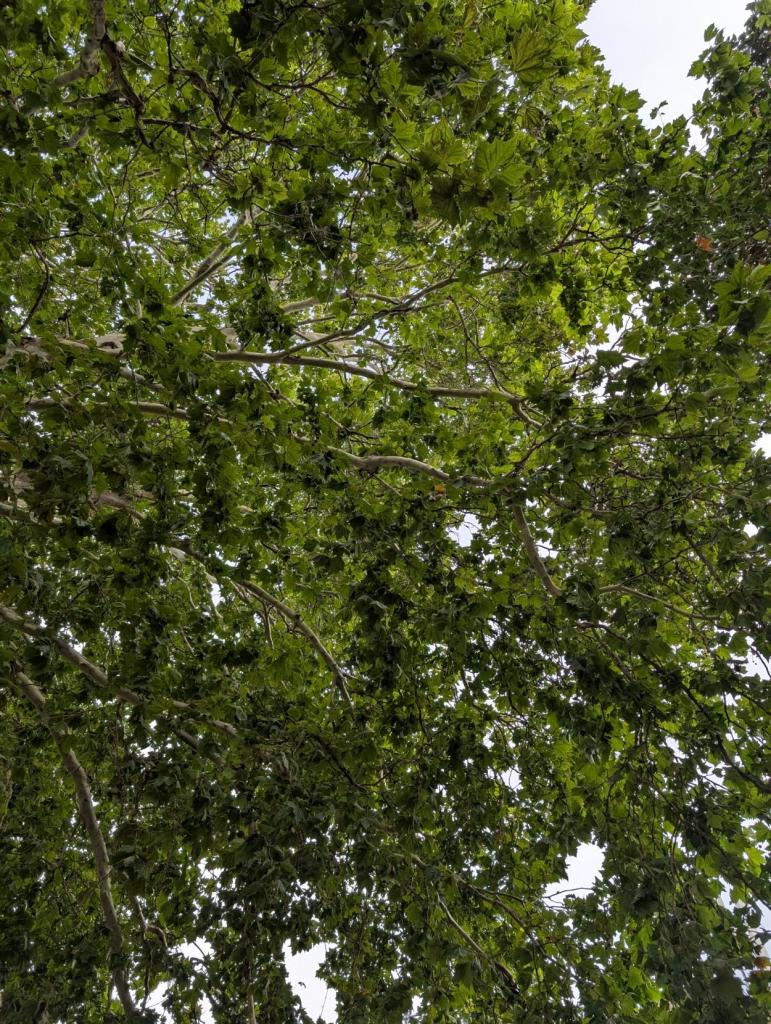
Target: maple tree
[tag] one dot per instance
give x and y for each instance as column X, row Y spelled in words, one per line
column 382, row 516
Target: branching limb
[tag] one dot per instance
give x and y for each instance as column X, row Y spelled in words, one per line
column 147, row 927
column 96, row 840
column 294, row 619
column 112, row 344
column 354, row 370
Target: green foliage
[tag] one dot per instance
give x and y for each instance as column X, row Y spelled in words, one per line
column 382, row 516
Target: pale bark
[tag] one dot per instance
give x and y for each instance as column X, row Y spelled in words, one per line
column 532, row 552
column 99, row 852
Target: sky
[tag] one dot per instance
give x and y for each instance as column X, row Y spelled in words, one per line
column 648, row 45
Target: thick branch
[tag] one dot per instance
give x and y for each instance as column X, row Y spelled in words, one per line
column 89, row 55
column 354, row 370
column 372, row 463
column 299, row 305
column 96, row 839
column 532, row 552
column 216, row 259
column 147, row 408
column 100, row 677
column 112, row 344
column 93, row 672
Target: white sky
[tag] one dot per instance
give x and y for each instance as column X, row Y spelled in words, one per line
column 649, row 45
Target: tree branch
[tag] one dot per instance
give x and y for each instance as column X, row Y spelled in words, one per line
column 98, row 676
column 532, row 552
column 93, row 672
column 46, row 283
column 620, row 588
column 295, row 619
column 371, row 463
column 112, row 344
column 353, row 369
column 216, row 259
column 87, row 813
column 89, row 55
column 181, row 547
column 501, row 970
column 147, row 408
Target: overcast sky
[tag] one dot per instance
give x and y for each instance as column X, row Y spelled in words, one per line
column 649, row 45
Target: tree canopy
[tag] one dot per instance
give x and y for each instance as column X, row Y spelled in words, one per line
column 382, row 516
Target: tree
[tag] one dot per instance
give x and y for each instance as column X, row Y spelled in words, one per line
column 383, row 515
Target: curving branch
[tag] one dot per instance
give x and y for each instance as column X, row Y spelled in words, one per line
column 354, row 370
column 368, row 463
column 180, row 547
column 620, row 588
column 397, row 306
column 288, row 614
column 293, row 617
column 371, row 463
column 101, row 679
column 217, row 258
column 42, row 291
column 112, row 344
column 85, row 803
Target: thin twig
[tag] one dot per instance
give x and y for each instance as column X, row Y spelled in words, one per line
column 41, row 292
